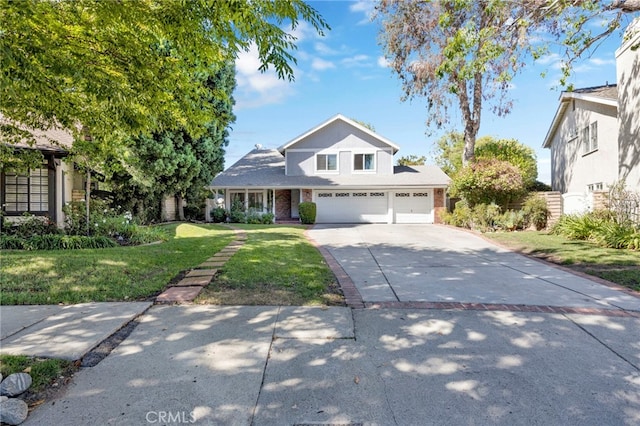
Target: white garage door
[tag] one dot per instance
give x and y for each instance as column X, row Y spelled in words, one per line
column 351, row 206
column 413, row 206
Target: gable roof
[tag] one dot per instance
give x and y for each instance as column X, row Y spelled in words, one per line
column 339, row 117
column 264, row 168
column 603, row 95
column 54, row 140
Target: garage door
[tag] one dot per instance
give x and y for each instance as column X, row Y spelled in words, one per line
column 413, row 206
column 351, row 206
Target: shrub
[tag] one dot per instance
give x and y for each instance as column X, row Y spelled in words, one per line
column 29, row 225
column 515, row 153
column 461, row 215
column 254, row 217
column 55, row 242
column 577, row 227
column 267, row 218
column 307, row 212
column 484, row 216
column 488, row 181
column 237, row 213
column 219, row 215
column 511, row 220
column 535, row 212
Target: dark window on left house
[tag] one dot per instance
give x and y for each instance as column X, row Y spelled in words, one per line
column 26, row 192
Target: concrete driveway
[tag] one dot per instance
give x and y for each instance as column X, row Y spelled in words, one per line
column 420, row 263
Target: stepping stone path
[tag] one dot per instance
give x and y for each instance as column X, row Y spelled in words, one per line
column 188, row 288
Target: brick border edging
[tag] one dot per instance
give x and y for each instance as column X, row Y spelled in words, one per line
column 352, row 296
column 462, row 306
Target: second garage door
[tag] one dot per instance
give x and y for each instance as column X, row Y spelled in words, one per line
column 413, row 206
column 351, row 207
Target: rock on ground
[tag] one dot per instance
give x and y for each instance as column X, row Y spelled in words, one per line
column 15, row 384
column 13, row 411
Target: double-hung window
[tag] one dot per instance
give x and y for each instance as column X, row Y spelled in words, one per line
column 327, row 162
column 589, row 138
column 364, row 162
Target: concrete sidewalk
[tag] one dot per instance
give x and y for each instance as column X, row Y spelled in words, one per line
column 67, row 332
column 244, row 365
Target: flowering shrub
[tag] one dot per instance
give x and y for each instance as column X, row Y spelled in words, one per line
column 488, row 181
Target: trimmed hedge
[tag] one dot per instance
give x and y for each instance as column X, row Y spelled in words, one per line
column 307, row 212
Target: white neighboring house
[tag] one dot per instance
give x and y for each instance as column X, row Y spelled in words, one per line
column 594, row 137
column 342, row 166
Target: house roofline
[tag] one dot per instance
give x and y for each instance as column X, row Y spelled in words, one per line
column 337, row 117
column 565, row 97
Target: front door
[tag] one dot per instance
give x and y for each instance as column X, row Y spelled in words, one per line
column 295, row 200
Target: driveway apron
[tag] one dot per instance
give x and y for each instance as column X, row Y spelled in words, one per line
column 431, row 263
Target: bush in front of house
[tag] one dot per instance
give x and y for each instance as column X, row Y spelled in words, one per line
column 600, row 227
column 535, row 211
column 488, row 181
column 307, row 211
column 219, row 215
column 107, row 228
column 490, row 217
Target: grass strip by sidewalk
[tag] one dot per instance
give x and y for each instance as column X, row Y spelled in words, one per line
column 111, row 274
column 275, row 266
column 618, row 266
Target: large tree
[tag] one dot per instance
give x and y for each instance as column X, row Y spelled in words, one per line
column 461, row 53
column 176, row 162
column 115, row 69
column 458, row 52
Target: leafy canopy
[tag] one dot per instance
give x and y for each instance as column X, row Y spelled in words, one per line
column 115, row 69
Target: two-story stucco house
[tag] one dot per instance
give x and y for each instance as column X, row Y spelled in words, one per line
column 342, row 166
column 594, row 137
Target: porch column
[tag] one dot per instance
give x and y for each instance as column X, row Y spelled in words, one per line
column 246, row 200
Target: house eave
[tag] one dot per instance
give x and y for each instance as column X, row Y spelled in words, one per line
column 565, row 98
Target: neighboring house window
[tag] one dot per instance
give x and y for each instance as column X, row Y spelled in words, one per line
column 363, row 162
column 595, row 187
column 27, row 192
column 326, row 162
column 589, row 138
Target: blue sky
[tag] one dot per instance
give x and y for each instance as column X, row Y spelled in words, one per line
column 345, row 72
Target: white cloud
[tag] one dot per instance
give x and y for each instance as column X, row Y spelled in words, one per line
column 367, row 7
column 383, row 62
column 257, row 88
column 601, row 62
column 323, row 49
column 356, row 61
column 319, row 64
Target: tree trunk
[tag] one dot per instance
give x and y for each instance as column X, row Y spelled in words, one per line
column 87, row 199
column 180, row 207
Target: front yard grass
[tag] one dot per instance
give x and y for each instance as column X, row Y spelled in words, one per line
column 275, row 266
column 618, row 266
column 111, row 274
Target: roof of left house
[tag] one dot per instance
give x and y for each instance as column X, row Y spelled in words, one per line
column 265, row 168
column 55, row 140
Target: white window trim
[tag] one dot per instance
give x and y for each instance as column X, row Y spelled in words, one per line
column 353, row 160
column 326, row 172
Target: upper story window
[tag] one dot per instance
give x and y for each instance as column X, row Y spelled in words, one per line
column 364, row 162
column 326, row 162
column 589, row 138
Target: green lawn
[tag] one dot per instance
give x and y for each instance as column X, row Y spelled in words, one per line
column 113, row 274
column 276, row 266
column 619, row 266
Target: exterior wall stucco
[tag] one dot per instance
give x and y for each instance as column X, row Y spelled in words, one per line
column 627, row 66
column 573, row 171
column 337, row 138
